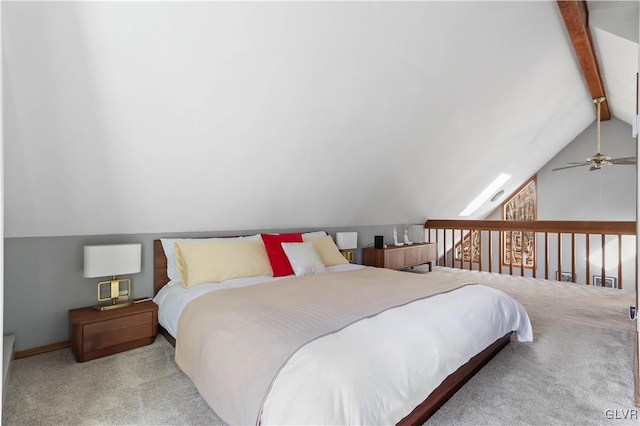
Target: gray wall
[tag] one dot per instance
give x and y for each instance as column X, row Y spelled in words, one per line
column 43, row 277
column 578, row 194
column 608, row 194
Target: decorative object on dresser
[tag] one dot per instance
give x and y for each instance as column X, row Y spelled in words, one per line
column 112, row 260
column 379, row 242
column 395, row 238
column 400, row 257
column 346, row 242
column 95, row 334
column 407, row 241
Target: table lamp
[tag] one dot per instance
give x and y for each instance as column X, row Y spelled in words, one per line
column 112, row 260
column 347, row 241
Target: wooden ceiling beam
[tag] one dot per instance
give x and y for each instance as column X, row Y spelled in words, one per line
column 576, row 18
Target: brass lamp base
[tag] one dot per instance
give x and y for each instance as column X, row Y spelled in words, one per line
column 112, row 306
column 114, row 293
column 348, row 254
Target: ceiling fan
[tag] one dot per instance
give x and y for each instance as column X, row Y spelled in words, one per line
column 597, row 161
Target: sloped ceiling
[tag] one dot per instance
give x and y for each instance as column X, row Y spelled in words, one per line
column 615, row 30
column 157, row 117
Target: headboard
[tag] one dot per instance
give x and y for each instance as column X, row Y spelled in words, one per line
column 160, row 277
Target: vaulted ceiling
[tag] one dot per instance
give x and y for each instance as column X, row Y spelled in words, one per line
column 614, row 28
column 171, row 116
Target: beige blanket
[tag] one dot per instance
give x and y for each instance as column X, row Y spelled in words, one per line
column 232, row 343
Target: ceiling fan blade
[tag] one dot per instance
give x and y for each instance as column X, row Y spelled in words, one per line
column 625, row 160
column 595, row 167
column 570, row 167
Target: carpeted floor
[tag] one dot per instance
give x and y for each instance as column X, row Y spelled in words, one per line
column 578, row 370
column 579, row 366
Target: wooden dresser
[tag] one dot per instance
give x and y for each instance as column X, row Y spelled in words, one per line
column 402, row 257
column 95, row 334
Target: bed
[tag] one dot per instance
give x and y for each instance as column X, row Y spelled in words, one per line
column 371, row 356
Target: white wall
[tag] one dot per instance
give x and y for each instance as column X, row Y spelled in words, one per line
column 141, row 117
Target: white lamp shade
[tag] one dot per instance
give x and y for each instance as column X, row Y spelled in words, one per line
column 347, row 240
column 111, row 260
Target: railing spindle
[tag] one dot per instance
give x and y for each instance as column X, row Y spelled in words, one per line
column 546, row 255
column 573, row 257
column 470, row 249
column 602, row 272
column 619, row 261
column 437, row 257
column 453, row 243
column 511, row 256
column 522, row 253
column 490, row 249
column 453, row 248
column 461, row 247
column 587, row 262
column 535, row 254
column 444, row 245
column 501, row 240
column 479, row 250
column 559, row 277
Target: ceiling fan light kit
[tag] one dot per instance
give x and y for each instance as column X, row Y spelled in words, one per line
column 598, row 160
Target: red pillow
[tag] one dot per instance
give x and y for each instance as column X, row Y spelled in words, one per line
column 277, row 257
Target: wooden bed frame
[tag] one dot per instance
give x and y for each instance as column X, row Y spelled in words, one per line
column 422, row 412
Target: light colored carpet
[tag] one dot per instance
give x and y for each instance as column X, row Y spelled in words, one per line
column 141, row 386
column 578, row 367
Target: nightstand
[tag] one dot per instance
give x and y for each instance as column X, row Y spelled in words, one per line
column 95, row 334
column 402, row 257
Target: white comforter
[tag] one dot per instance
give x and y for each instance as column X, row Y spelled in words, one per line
column 376, row 370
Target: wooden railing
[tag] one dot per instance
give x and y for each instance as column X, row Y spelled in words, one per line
column 557, row 250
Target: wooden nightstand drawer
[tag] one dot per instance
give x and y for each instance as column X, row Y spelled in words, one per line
column 95, row 334
column 99, row 335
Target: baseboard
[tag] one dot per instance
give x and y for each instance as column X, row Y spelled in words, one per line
column 42, row 349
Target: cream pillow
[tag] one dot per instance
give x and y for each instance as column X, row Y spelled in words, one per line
column 327, row 249
column 303, row 258
column 216, row 261
column 167, row 246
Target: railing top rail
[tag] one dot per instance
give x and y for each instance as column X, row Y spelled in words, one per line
column 552, row 226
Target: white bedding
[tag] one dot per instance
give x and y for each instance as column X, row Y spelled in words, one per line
column 173, row 297
column 378, row 369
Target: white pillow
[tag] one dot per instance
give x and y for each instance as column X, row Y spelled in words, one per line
column 169, row 251
column 304, row 258
column 314, row 234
